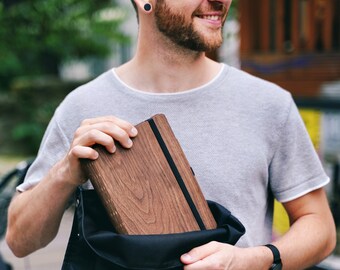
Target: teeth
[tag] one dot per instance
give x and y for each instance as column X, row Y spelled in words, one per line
column 211, row 17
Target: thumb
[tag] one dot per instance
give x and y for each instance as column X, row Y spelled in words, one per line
column 188, row 259
column 199, row 253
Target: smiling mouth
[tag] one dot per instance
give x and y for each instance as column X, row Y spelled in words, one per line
column 216, row 12
column 210, row 17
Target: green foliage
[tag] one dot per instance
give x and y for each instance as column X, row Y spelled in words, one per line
column 233, row 10
column 38, row 35
column 26, row 111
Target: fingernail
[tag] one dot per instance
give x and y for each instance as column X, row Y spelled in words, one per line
column 133, row 131
column 113, row 149
column 186, row 257
column 96, row 155
column 129, row 142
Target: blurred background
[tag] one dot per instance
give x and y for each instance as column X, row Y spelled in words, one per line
column 49, row 47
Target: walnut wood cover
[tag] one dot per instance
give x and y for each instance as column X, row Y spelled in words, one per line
column 139, row 190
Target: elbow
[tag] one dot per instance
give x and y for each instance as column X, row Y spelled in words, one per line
column 330, row 241
column 18, row 246
column 13, row 235
column 14, row 246
column 16, row 240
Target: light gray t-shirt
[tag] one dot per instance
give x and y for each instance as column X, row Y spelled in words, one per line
column 243, row 136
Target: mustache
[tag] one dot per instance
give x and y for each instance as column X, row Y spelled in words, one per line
column 214, row 6
column 218, row 6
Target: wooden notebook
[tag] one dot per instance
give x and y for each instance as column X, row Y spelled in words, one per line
column 150, row 188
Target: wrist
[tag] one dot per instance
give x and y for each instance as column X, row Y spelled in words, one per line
column 267, row 257
column 259, row 257
column 276, row 264
column 67, row 174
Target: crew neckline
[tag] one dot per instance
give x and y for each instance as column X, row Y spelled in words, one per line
column 181, row 93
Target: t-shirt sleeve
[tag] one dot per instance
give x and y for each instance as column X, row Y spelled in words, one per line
column 295, row 168
column 53, row 147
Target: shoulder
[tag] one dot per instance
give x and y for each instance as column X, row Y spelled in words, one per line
column 252, row 86
column 87, row 101
column 94, row 88
column 256, row 95
column 92, row 96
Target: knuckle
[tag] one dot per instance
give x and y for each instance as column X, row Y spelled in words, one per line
column 112, row 118
column 119, row 133
column 114, row 130
column 194, row 252
column 78, row 132
column 74, row 151
column 124, row 136
column 92, row 135
column 85, row 122
column 107, row 125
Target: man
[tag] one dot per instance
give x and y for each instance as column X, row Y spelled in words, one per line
column 242, row 135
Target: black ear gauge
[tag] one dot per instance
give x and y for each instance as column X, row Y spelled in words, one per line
column 147, row 7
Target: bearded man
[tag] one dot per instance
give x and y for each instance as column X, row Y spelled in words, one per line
column 242, row 135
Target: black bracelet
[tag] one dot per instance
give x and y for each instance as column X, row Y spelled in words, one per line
column 277, row 263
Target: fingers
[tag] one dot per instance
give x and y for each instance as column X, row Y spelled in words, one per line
column 84, row 152
column 126, row 126
column 208, row 263
column 199, row 253
column 205, row 257
column 104, row 131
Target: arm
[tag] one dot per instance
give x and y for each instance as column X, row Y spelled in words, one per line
column 310, row 239
column 34, row 216
column 312, row 236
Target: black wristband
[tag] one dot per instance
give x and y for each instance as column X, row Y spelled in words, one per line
column 277, row 263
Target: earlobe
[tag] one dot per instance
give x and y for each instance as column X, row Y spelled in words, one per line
column 145, row 5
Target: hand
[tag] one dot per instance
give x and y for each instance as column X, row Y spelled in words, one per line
column 215, row 255
column 102, row 130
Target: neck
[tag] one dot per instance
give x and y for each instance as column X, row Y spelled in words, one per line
column 162, row 66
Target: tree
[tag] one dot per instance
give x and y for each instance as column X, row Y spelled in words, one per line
column 38, row 35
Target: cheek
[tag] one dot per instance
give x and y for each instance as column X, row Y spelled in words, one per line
column 183, row 9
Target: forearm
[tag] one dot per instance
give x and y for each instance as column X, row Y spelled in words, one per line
column 34, row 216
column 309, row 240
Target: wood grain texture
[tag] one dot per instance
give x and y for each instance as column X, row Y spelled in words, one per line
column 139, row 190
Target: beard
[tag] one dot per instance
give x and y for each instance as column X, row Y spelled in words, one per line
column 180, row 31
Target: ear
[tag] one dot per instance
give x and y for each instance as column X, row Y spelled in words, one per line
column 144, row 5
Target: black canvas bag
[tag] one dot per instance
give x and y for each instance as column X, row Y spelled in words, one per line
column 94, row 244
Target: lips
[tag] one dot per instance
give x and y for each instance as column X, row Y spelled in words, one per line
column 210, row 17
column 215, row 12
